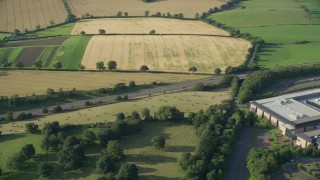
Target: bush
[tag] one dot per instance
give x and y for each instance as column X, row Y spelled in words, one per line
column 132, row 84
column 57, row 109
column 152, row 32
column 168, row 113
column 114, row 151
column 158, row 142
column 45, row 169
column 23, row 116
column 88, row 103
column 104, row 164
column 17, row 161
column 45, row 110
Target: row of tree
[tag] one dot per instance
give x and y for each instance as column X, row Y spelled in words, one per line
column 257, row 81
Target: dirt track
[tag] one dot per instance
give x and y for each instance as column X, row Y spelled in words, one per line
column 29, row 55
column 42, row 42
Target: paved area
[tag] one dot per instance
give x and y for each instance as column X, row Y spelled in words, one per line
column 247, row 140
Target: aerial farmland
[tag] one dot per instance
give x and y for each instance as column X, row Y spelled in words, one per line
column 155, row 89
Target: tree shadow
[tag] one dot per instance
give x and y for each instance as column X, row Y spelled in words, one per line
column 145, row 170
column 19, row 175
column 10, row 137
column 184, row 149
column 149, row 158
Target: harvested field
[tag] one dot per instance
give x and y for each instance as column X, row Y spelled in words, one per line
column 185, row 101
column 29, row 55
column 138, row 7
column 27, row 14
column 145, row 25
column 41, row 42
column 28, row 82
column 166, row 53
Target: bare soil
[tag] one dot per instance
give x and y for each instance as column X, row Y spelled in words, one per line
column 41, row 42
column 29, row 55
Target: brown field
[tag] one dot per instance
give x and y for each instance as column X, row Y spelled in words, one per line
column 145, row 25
column 138, row 7
column 38, row 42
column 28, row 82
column 21, row 14
column 29, row 55
column 166, row 52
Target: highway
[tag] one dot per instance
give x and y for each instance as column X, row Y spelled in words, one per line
column 133, row 95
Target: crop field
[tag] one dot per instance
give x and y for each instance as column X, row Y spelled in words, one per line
column 3, row 35
column 27, row 14
column 185, row 101
column 166, row 53
column 37, row 42
column 138, row 8
column 145, row 25
column 46, row 55
column 71, row 51
column 10, row 54
column 28, row 82
column 63, row 30
column 160, row 164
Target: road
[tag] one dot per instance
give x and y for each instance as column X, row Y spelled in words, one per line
column 133, row 95
column 237, row 165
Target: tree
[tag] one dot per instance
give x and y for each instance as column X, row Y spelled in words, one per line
column 120, row 116
column 28, row 150
column 196, row 16
column 132, row 84
column 217, row 71
column 45, row 110
column 57, row 65
column 82, row 67
column 146, row 13
column 106, row 135
column 88, row 137
column 168, row 113
column 45, row 169
column 104, row 164
column 38, row 64
column 71, row 18
column 71, row 141
column 6, row 63
column 118, row 98
column 52, row 22
column 193, row 69
column 102, row 31
column 82, row 33
column 158, row 142
column 71, row 157
column 9, row 116
column 235, row 86
column 128, row 171
column 145, row 113
column 17, row 161
column 51, row 128
column 144, row 68
column 100, row 66
column 112, row 65
column 152, row 32
column 38, row 27
column 17, row 32
column 32, row 128
column 19, row 65
column 126, row 14
column 119, row 14
column 57, row 109
column 114, row 151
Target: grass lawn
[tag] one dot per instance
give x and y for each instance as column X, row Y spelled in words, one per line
column 71, row 51
column 64, row 30
column 160, row 164
column 185, row 101
column 287, row 54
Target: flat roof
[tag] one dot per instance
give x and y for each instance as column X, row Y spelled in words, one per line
column 294, row 107
column 308, row 136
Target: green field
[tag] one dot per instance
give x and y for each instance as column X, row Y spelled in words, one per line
column 288, row 54
column 64, row 30
column 71, row 51
column 11, row 54
column 280, row 24
column 3, row 35
column 185, row 101
column 45, row 54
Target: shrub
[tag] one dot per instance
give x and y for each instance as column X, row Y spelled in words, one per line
column 45, row 169
column 57, row 109
column 152, row 32
column 114, row 151
column 104, row 164
column 45, row 110
column 158, row 142
column 128, row 171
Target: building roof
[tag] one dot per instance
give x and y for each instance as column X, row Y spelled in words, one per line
column 311, row 136
column 301, row 107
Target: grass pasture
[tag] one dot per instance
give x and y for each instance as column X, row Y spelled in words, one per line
column 138, row 8
column 185, row 101
column 145, row 25
column 28, row 82
column 27, row 14
column 46, row 54
column 11, row 54
column 166, row 53
column 63, row 30
column 71, row 51
column 160, row 164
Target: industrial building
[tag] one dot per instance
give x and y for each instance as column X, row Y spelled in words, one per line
column 296, row 114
